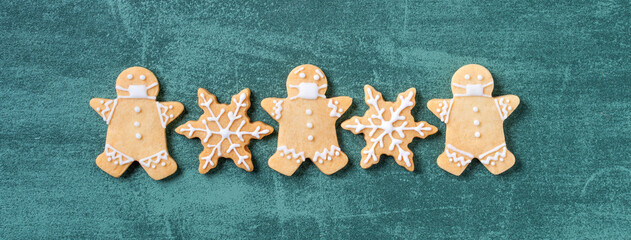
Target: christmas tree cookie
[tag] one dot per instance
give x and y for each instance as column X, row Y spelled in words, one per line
column 306, row 121
column 224, row 130
column 136, row 123
column 388, row 128
column 475, row 122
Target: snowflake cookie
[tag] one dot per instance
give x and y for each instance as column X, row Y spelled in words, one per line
column 224, row 130
column 475, row 122
column 388, row 128
column 136, row 123
column 306, row 120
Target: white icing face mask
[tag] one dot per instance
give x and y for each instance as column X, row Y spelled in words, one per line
column 137, row 91
column 308, row 90
column 472, row 89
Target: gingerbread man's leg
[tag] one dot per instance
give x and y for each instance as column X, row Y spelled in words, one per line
column 498, row 159
column 330, row 160
column 111, row 166
column 159, row 165
column 453, row 160
column 286, row 160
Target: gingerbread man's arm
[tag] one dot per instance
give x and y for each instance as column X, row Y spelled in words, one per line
column 169, row 111
column 441, row 108
column 506, row 105
column 274, row 107
column 338, row 105
column 104, row 107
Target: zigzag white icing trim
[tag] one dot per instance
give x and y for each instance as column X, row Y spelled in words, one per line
column 502, row 110
column 160, row 156
column 333, row 107
column 444, row 110
column 453, row 157
column 118, row 157
column 498, row 156
column 293, row 153
column 319, row 157
column 108, row 109
column 163, row 114
column 278, row 108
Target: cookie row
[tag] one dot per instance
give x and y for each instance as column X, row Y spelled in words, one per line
column 307, row 125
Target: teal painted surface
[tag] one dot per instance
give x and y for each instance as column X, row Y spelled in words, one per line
column 569, row 63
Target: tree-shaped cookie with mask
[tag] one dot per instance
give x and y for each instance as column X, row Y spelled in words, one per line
column 475, row 122
column 306, row 120
column 136, row 125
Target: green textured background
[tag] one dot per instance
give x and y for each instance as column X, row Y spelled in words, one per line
column 569, row 63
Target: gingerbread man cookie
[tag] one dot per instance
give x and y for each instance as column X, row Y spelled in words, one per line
column 136, row 125
column 388, row 128
column 306, row 120
column 474, row 122
column 225, row 130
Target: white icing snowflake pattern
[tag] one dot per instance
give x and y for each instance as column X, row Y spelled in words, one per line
column 227, row 129
column 391, row 127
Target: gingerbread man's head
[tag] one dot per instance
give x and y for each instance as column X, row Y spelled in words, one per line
column 137, row 82
column 306, row 82
column 472, row 80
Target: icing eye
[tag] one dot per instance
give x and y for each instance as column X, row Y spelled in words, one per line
column 142, row 77
column 316, row 77
column 302, row 75
column 467, row 77
column 129, row 76
column 480, row 77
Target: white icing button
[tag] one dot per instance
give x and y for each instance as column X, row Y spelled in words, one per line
column 308, row 112
column 302, row 75
column 340, row 110
column 163, row 164
column 282, row 155
column 309, row 125
column 476, row 122
column 137, row 124
column 138, row 136
column 437, row 109
column 492, row 163
column 153, row 166
column 129, row 76
column 142, row 77
column 337, row 153
column 467, row 77
column 109, row 159
column 510, row 108
column 98, row 109
column 137, row 109
column 477, row 134
column 316, row 77
column 475, row 109
column 310, row 138
column 171, row 116
column 480, row 77
column 104, row 102
column 288, row 157
column 170, row 106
